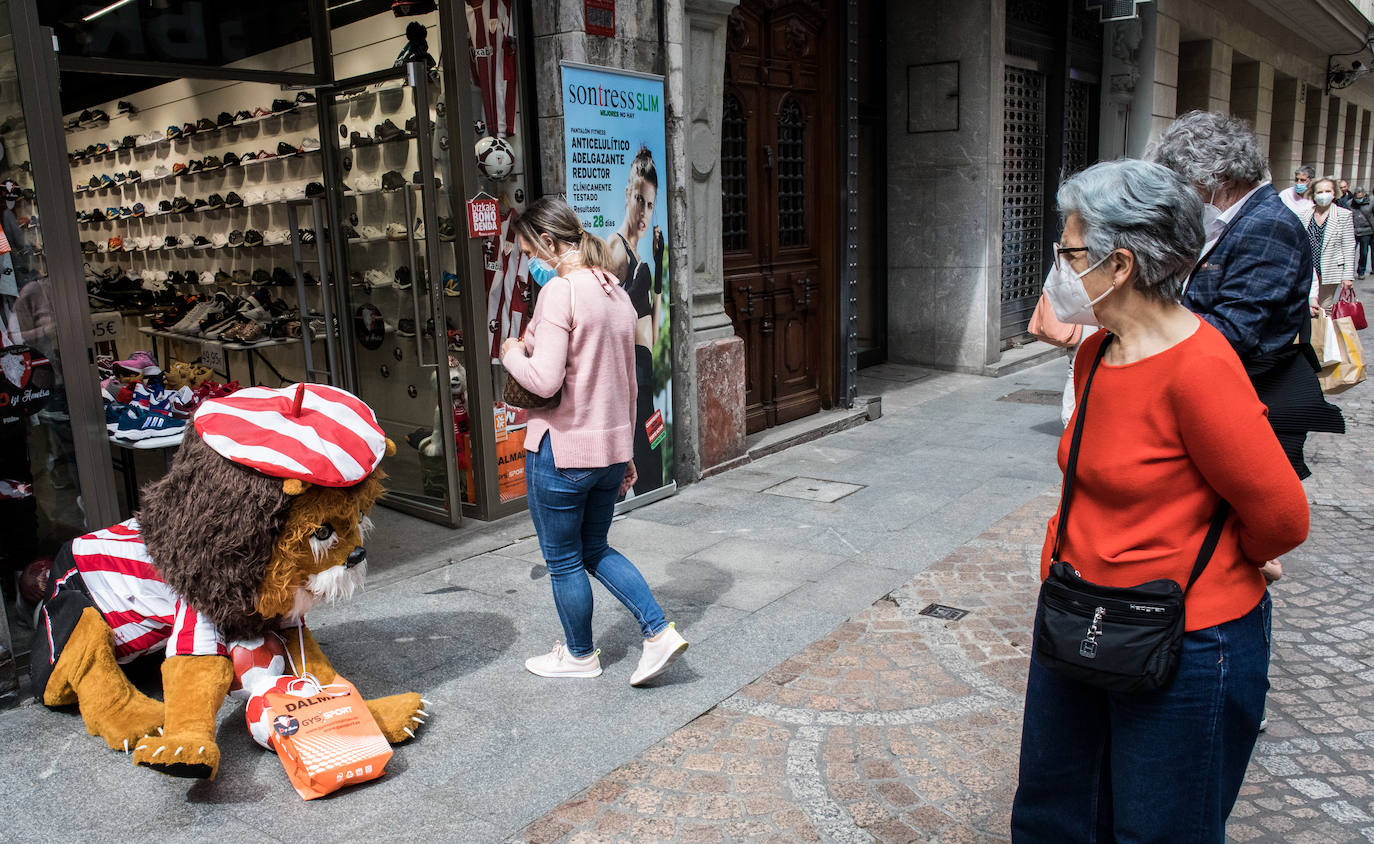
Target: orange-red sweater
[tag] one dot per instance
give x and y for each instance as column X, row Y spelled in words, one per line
column 1164, row 440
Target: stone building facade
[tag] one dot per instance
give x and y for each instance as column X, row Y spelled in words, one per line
column 944, row 129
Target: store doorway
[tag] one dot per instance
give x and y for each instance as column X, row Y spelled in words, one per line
column 781, row 196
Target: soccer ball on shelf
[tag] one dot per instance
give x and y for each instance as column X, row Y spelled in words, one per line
column 495, row 158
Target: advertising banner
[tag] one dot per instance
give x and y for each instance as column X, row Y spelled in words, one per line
column 616, row 158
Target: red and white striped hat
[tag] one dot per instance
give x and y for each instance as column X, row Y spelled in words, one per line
column 310, row 432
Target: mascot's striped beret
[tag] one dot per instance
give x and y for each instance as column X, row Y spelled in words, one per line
column 309, row 432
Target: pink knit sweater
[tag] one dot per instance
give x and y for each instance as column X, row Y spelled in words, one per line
column 594, row 363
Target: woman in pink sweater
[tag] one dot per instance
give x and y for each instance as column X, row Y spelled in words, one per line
column 578, row 461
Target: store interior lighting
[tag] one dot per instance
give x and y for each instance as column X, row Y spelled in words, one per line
column 110, row 8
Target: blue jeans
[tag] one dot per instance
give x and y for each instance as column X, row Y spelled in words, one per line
column 572, row 510
column 1165, row 766
column 1362, row 251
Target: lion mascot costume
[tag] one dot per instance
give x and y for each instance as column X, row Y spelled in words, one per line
column 259, row 518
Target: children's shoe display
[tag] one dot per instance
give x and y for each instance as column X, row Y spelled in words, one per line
column 141, row 362
column 451, row 287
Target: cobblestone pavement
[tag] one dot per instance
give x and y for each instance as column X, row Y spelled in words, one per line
column 902, row 727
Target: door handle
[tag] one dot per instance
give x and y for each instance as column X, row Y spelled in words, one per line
column 744, row 300
column 768, row 156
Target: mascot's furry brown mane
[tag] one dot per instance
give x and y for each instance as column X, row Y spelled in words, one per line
column 213, row 527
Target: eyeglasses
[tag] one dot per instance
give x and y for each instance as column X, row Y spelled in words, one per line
column 1061, row 251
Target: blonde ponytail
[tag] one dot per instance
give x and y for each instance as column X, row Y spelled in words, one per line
column 555, row 218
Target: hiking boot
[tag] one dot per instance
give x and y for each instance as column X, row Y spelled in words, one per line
column 560, row 663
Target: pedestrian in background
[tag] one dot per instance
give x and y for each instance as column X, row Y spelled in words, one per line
column 1295, row 196
column 1172, row 428
column 1343, row 194
column 580, row 341
column 1362, row 213
column 1331, row 234
column 1253, row 278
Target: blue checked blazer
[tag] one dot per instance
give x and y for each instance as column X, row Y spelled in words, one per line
column 1253, row 286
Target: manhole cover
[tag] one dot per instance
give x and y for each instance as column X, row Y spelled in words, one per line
column 942, row 611
column 813, row 489
column 1052, row 398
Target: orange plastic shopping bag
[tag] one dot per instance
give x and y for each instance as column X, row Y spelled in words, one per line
column 324, row 735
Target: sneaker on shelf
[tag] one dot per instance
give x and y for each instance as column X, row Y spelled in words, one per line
column 396, row 231
column 451, row 287
column 141, row 362
column 560, row 663
column 310, row 144
column 658, row 654
column 233, row 200
column 306, row 235
column 211, row 162
column 305, row 98
column 262, row 112
column 195, row 165
column 280, row 106
column 314, row 189
column 406, row 328
column 236, row 237
column 185, row 240
column 242, row 115
column 241, row 277
column 376, row 278
column 419, row 229
column 207, row 279
column 387, row 131
column 360, row 139
column 276, row 237
column 403, row 280
column 282, row 278
column 216, row 201
column 219, row 240
column 224, row 119
column 137, row 425
column 367, row 184
column 231, row 160
column 200, row 205
column 393, row 180
column 371, row 233
column 349, row 232
column 205, row 124
column 284, row 149
column 252, row 196
column 252, row 237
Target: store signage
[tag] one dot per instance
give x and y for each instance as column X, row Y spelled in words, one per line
column 212, row 355
column 600, row 17
column 484, row 216
column 616, row 178
column 106, row 326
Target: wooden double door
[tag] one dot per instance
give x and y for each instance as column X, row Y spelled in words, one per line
column 781, row 198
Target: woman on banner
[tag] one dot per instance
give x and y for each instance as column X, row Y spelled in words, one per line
column 646, row 292
column 580, row 340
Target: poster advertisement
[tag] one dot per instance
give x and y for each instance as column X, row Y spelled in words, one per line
column 616, row 158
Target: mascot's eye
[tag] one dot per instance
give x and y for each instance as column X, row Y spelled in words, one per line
column 324, row 532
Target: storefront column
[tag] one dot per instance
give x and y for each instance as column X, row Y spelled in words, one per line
column 1252, row 97
column 1362, row 173
column 1335, row 119
column 718, row 353
column 1164, row 94
column 1286, row 129
column 1204, row 76
column 1350, row 147
column 1314, row 132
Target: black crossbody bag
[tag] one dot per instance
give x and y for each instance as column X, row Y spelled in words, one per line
column 1119, row 639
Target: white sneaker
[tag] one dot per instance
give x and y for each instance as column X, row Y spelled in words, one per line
column 560, row 663
column 658, row 655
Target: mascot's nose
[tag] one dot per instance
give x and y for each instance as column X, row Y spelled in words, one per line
column 357, row 555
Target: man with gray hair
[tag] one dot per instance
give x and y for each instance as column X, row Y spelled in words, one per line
column 1295, row 195
column 1254, row 275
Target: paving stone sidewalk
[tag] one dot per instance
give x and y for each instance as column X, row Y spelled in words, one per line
column 902, row 727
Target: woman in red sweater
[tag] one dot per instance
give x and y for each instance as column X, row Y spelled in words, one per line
column 580, row 340
column 1172, row 428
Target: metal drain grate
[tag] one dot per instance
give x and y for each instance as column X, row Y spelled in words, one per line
column 943, row 612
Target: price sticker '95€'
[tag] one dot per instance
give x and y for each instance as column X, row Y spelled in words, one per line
column 106, row 326
column 212, row 355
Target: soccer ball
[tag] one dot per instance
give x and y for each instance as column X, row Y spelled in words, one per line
column 257, row 663
column 260, row 716
column 495, row 158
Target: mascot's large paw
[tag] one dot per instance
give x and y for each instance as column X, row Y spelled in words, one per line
column 123, row 726
column 186, row 756
column 399, row 716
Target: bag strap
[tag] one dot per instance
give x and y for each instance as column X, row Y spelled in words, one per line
column 1209, row 543
column 1067, row 494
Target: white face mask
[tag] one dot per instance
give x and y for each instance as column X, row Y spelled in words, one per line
column 1211, row 218
column 1068, row 296
column 1323, row 198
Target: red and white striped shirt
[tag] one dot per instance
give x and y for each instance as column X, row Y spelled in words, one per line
column 507, row 276
column 493, row 62
column 143, row 611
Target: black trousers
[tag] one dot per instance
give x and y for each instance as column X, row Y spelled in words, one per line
column 57, row 618
column 648, row 460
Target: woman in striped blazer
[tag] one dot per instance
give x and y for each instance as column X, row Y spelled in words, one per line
column 1331, row 231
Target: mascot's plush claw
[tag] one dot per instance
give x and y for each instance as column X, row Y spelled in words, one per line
column 395, row 714
column 176, row 759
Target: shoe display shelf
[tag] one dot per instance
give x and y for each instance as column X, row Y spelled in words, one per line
column 124, row 464
column 252, row 350
column 76, row 157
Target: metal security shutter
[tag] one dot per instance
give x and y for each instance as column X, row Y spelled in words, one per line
column 1023, row 197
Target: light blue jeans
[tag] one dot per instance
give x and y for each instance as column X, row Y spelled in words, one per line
column 572, row 510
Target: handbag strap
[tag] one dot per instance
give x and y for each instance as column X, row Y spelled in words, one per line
column 1209, row 543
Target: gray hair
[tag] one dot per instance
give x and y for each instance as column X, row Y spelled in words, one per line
column 1208, row 148
column 1307, row 170
column 1144, row 208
